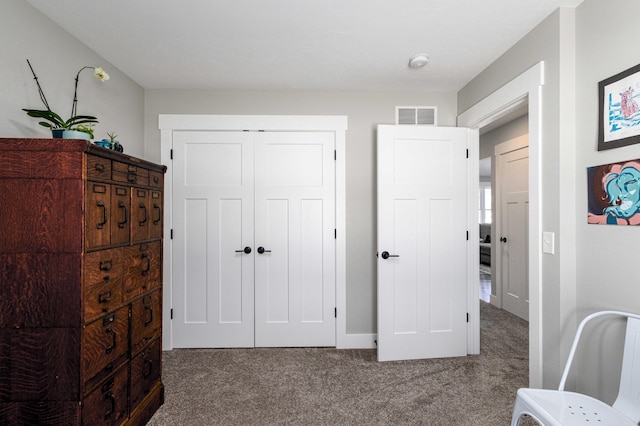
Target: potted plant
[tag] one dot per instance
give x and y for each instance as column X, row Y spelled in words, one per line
column 81, row 131
column 52, row 120
column 115, row 145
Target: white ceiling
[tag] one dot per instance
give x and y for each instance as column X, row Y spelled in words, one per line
column 341, row 45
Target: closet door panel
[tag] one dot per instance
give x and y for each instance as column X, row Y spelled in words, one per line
column 295, row 223
column 213, row 224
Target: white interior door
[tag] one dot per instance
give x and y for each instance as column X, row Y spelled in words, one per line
column 295, row 239
column 422, row 241
column 513, row 178
column 213, row 223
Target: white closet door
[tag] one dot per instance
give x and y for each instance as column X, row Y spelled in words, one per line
column 295, row 225
column 213, row 223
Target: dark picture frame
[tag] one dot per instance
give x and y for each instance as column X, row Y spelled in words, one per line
column 619, row 110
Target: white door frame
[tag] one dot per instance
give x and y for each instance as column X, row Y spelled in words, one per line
column 522, row 90
column 168, row 123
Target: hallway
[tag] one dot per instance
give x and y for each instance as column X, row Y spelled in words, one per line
column 485, row 283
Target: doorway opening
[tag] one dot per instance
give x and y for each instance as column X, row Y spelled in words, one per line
column 525, row 91
column 503, row 214
column 485, row 219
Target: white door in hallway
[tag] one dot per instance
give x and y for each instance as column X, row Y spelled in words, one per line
column 513, row 178
column 254, row 247
column 295, row 240
column 423, row 213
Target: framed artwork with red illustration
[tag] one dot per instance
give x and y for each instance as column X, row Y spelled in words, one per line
column 619, row 110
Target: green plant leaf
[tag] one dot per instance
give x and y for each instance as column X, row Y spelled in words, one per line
column 45, row 124
column 80, row 119
column 47, row 115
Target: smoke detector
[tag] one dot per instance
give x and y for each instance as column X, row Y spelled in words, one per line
column 418, row 60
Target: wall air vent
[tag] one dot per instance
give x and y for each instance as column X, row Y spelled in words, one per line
column 417, row 115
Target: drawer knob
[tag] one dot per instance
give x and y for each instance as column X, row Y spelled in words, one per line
column 149, row 314
column 111, row 347
column 101, row 205
column 147, row 267
column 124, row 221
column 104, row 297
column 149, row 362
column 112, row 409
column 144, row 210
column 159, row 209
column 106, row 265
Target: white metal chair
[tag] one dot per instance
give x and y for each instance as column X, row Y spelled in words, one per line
column 563, row 408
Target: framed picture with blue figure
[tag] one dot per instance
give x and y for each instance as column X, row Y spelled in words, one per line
column 619, row 110
column 614, row 193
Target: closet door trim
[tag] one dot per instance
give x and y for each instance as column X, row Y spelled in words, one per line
column 170, row 123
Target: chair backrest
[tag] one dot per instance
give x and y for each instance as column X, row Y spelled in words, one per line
column 628, row 401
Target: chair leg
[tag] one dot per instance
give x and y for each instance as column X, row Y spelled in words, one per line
column 519, row 409
column 515, row 419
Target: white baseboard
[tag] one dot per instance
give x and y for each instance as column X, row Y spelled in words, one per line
column 495, row 301
column 348, row 341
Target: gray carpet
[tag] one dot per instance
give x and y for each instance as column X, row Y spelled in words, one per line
column 319, row 386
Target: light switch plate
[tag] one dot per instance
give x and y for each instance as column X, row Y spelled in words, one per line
column 548, row 242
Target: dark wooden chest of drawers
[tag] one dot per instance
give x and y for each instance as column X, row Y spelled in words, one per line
column 80, row 284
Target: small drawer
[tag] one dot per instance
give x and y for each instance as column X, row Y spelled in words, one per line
column 105, row 341
column 107, row 404
column 156, row 180
column 146, row 320
column 102, row 298
column 129, row 173
column 145, row 372
column 102, row 266
column 98, row 167
column 143, row 268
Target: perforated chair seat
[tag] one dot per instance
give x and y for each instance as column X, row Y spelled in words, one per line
column 554, row 408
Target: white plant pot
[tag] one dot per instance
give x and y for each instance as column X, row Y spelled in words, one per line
column 75, row 134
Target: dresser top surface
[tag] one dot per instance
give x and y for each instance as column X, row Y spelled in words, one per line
column 73, row 145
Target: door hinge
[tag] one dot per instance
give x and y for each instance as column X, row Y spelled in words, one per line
column 335, row 154
column 335, row 233
column 171, row 313
column 467, row 316
column 171, row 154
column 335, row 312
column 467, row 153
column 467, row 235
column 171, row 236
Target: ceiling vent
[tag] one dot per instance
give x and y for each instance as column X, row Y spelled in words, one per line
column 417, row 115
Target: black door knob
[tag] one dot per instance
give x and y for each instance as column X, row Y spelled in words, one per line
column 503, row 239
column 386, row 255
column 261, row 250
column 246, row 250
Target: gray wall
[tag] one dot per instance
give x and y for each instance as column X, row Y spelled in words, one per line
column 364, row 111
column 57, row 56
column 510, row 130
column 606, row 33
column 552, row 42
